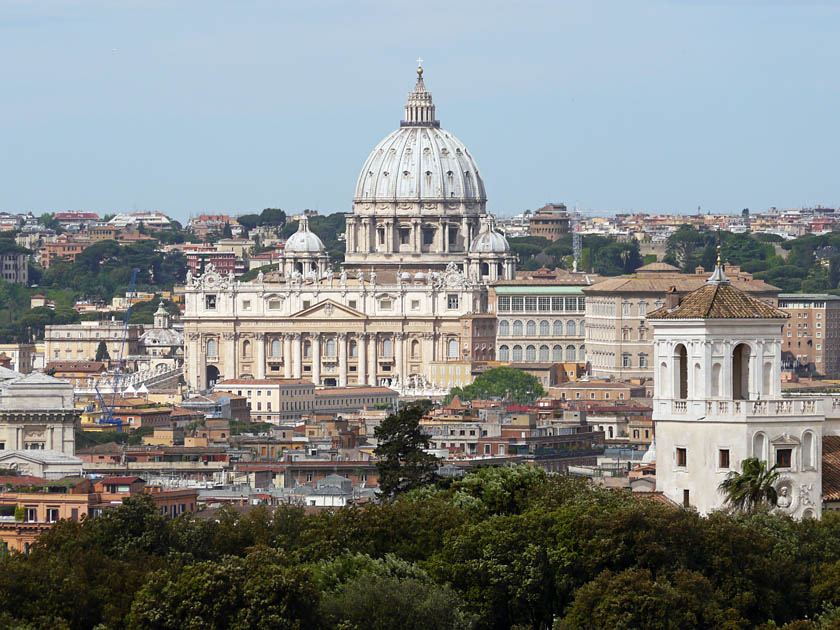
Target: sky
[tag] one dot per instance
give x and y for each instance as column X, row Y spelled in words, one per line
column 615, row 105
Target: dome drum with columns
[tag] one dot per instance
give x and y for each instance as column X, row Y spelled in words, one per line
column 419, row 198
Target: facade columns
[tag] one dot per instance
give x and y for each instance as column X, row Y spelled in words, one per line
column 260, row 339
column 398, row 355
column 287, row 356
column 428, row 348
column 361, row 353
column 417, row 236
column 297, row 355
column 372, row 369
column 316, row 357
column 230, row 354
column 196, row 360
column 342, row 359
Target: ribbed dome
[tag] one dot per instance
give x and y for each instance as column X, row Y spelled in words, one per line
column 420, row 161
column 489, row 240
column 303, row 241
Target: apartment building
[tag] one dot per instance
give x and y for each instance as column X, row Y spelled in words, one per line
column 551, row 222
column 811, row 337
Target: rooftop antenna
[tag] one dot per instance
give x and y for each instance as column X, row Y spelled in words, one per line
column 576, row 244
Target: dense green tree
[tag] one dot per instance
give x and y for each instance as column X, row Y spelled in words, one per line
column 752, row 487
column 102, row 352
column 402, row 462
column 504, row 383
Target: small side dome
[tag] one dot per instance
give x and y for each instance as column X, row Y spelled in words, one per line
column 650, row 454
column 405, row 276
column 419, row 276
column 489, row 240
column 303, row 241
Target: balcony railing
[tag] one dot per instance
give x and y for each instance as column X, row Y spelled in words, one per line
column 743, row 409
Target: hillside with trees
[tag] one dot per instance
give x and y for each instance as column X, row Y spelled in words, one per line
column 500, row 548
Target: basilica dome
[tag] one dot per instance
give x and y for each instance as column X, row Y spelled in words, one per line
column 489, row 240
column 420, row 161
column 303, row 241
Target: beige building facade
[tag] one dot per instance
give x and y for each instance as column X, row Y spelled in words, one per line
column 811, row 337
column 619, row 342
column 79, row 342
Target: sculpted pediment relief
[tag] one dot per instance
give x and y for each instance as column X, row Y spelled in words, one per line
column 329, row 309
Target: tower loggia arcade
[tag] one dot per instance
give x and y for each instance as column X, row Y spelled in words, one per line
column 718, row 400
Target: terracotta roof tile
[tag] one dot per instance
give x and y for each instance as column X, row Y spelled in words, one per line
column 719, row 301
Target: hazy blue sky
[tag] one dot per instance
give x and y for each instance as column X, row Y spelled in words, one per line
column 234, row 106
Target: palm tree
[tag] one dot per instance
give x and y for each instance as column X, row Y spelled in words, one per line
column 751, row 487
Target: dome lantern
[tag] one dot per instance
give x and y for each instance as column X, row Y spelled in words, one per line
column 420, row 110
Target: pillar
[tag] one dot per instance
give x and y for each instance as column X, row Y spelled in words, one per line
column 297, row 355
column 260, row 340
column 398, row 356
column 372, row 369
column 316, row 358
column 230, row 354
column 287, row 356
column 361, row 353
column 342, row 359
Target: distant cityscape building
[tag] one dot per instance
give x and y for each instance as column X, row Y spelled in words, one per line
column 551, row 222
column 811, row 337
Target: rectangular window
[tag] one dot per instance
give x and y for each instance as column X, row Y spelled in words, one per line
column 452, row 301
column 681, row 457
column 625, row 360
column 556, row 304
column 516, row 303
column 415, row 305
column 686, row 502
column 74, row 514
column 52, row 515
column 209, row 302
column 642, row 360
column 504, row 303
column 386, row 305
column 581, row 304
column 530, row 303
column 783, row 457
column 571, row 304
column 351, row 303
column 306, row 303
column 545, row 304
column 723, row 458
column 31, row 514
column 246, row 305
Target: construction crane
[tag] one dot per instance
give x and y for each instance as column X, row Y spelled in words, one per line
column 108, row 410
column 576, row 240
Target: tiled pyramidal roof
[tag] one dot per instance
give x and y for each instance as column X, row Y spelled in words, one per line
column 718, row 299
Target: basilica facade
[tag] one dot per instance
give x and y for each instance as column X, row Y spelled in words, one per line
column 421, row 252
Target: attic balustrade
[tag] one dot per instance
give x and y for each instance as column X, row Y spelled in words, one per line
column 741, row 409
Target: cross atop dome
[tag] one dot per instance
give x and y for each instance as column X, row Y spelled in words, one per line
column 420, row 110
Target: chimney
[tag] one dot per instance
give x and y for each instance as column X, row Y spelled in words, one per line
column 672, row 299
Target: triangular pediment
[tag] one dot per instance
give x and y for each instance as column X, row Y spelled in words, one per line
column 328, row 309
column 786, row 439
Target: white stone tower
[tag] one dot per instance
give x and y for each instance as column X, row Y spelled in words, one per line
column 717, row 400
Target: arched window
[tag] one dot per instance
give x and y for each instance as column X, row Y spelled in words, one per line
column 581, row 354
column 531, row 328
column 531, row 354
column 517, row 354
column 387, row 347
column 504, row 328
column 571, row 353
column 453, row 349
column 741, row 372
column 571, row 328
column 557, row 354
column 545, row 328
column 330, row 347
column 276, row 347
column 504, row 353
column 681, row 371
column 582, row 329
column 212, row 348
column 558, row 328
column 415, row 349
column 517, row 328
column 808, row 458
column 760, row 446
column 767, row 378
column 354, row 349
column 246, row 349
column 544, row 352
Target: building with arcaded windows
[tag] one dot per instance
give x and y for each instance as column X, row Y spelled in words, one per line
column 540, row 317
